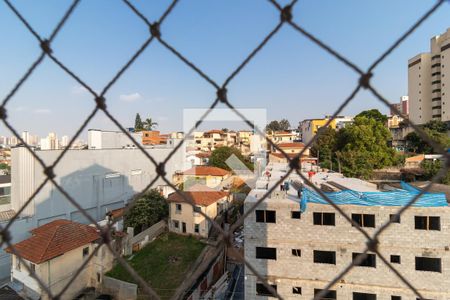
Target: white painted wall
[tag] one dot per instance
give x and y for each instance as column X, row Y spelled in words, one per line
column 99, row 139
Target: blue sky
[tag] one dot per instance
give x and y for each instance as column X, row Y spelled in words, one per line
column 292, row 78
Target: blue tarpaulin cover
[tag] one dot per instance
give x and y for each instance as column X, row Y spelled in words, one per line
column 397, row 197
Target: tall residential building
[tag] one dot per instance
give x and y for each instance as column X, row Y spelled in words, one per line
column 402, row 106
column 64, row 141
column 12, row 141
column 429, row 82
column 26, row 137
column 50, row 142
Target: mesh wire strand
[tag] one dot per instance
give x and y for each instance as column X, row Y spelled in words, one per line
column 286, row 19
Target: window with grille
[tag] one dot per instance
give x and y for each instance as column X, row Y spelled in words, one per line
column 85, row 251
column 295, row 215
column 322, row 218
column 325, row 257
column 394, row 218
column 329, row 295
column 369, row 261
column 395, row 259
column 32, row 268
column 296, row 252
column 364, row 220
column 266, row 253
column 261, row 290
column 427, row 223
column 364, row 296
column 428, row 264
column 265, row 216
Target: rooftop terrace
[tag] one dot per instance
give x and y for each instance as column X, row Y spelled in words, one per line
column 347, row 191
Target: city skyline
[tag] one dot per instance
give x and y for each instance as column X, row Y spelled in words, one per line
column 159, row 86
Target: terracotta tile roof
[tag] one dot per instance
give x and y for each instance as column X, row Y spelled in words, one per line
column 203, row 155
column 54, row 239
column 205, row 171
column 215, row 131
column 291, row 145
column 415, row 158
column 200, row 195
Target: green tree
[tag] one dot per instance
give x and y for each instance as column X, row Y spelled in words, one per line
column 220, row 155
column 284, row 124
column 138, row 125
column 436, row 130
column 436, row 125
column 325, row 146
column 363, row 147
column 373, row 114
column 149, row 124
column 431, row 168
column 278, row 125
column 5, row 167
column 146, row 211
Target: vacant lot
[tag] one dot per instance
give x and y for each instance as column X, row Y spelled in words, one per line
column 163, row 263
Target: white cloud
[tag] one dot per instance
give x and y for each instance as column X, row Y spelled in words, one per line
column 130, row 97
column 42, row 111
column 77, row 90
column 20, row 108
column 158, row 99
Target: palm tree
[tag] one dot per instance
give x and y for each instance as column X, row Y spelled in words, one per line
column 149, row 124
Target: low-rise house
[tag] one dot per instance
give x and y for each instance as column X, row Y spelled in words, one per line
column 186, row 219
column 294, row 147
column 54, row 253
column 198, row 159
column 416, row 161
column 282, row 136
column 290, row 149
column 204, row 175
column 309, row 127
column 153, row 137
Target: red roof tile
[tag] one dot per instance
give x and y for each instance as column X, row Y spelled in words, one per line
column 215, row 131
column 200, row 195
column 291, row 145
column 205, row 171
column 54, row 239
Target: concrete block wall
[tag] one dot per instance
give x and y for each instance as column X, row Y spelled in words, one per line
column 399, row 239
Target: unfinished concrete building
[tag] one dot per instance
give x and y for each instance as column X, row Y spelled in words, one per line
column 300, row 246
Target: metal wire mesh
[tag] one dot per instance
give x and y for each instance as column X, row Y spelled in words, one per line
column 156, row 36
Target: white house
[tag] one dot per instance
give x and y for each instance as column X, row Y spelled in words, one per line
column 54, row 253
